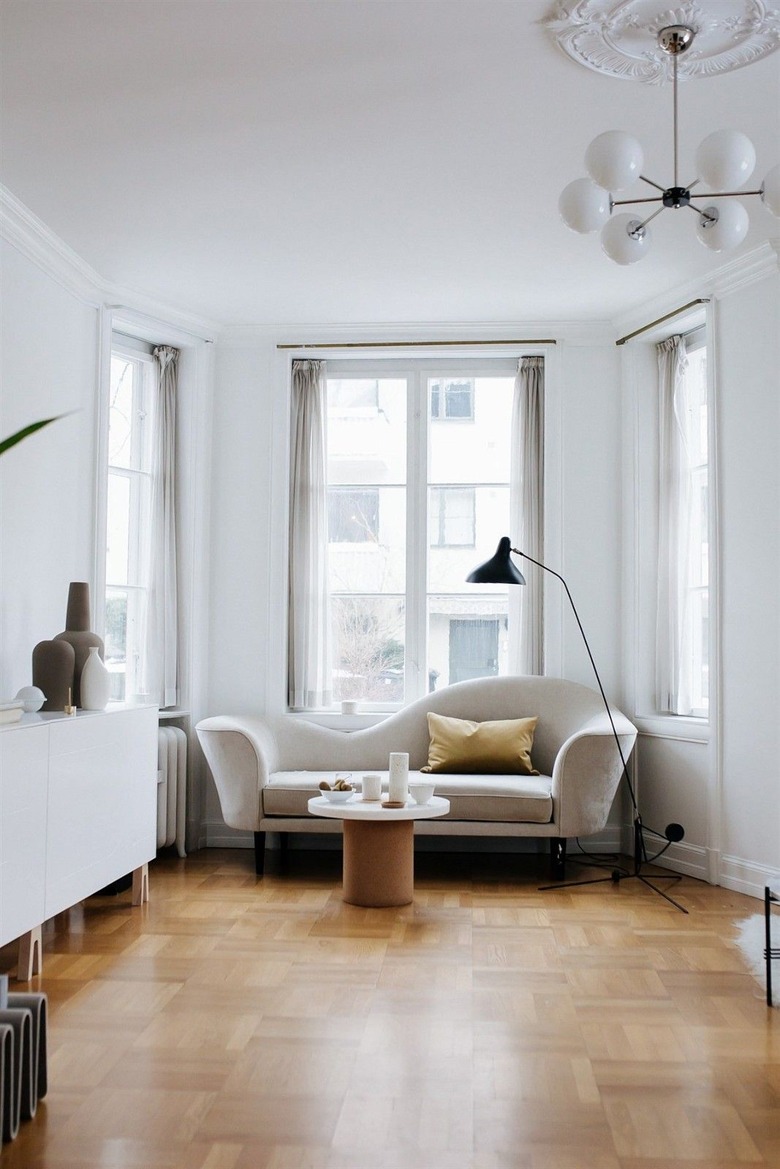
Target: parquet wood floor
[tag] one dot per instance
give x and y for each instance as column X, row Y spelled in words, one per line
column 245, row 1023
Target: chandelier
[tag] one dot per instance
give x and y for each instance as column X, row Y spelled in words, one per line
column 724, row 161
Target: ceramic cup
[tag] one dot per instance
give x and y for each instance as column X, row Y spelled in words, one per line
column 349, row 706
column 421, row 792
column 372, row 786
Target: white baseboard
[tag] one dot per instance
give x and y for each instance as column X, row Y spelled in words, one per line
column 746, row 876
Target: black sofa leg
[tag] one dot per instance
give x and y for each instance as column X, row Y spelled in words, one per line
column 283, row 836
column 558, row 858
column 259, row 853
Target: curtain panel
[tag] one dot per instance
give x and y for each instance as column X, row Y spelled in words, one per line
column 527, row 513
column 161, row 657
column 309, row 629
column 673, row 624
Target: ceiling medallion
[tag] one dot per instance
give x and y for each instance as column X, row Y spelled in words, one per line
column 619, row 37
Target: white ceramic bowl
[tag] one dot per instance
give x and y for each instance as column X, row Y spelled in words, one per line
column 338, row 797
column 421, row 792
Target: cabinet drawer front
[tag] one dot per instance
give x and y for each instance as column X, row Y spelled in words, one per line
column 24, row 765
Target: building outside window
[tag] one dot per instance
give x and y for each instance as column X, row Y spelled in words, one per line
column 414, row 504
column 129, row 484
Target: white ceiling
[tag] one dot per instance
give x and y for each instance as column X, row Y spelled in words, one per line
column 260, row 161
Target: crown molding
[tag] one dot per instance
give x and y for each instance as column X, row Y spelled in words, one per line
column 755, row 265
column 39, row 244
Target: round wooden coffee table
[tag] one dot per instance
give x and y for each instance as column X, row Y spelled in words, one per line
column 378, row 847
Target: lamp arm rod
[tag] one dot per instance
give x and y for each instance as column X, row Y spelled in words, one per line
column 724, row 194
column 628, row 202
column 650, row 182
column 595, row 671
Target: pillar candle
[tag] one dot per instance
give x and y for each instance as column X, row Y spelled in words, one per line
column 398, row 786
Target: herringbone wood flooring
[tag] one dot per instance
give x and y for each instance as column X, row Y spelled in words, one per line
column 244, row 1023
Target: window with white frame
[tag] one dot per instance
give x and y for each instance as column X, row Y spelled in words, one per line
column 128, row 497
column 414, row 504
column 682, row 633
column 695, row 411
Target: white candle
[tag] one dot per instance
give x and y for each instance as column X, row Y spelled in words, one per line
column 398, row 786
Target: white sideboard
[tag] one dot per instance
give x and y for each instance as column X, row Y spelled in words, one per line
column 78, row 810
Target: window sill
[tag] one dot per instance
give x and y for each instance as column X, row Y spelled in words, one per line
column 684, row 728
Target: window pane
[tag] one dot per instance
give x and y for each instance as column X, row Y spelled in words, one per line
column 451, row 513
column 368, row 648
column 376, row 563
column 448, row 566
column 478, row 453
column 353, row 516
column 366, row 442
column 467, row 637
column 120, row 418
column 116, row 642
column 118, row 529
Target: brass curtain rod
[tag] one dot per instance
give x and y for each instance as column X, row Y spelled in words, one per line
column 674, row 313
column 418, row 344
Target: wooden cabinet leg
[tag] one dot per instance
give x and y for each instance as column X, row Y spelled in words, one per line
column 30, row 961
column 141, row 885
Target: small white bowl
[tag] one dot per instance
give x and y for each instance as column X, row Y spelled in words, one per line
column 421, row 792
column 338, row 797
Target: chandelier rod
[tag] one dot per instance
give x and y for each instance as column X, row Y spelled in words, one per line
column 674, row 91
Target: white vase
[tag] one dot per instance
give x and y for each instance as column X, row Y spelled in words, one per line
column 95, row 682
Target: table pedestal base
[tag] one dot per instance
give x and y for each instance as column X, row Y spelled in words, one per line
column 378, row 862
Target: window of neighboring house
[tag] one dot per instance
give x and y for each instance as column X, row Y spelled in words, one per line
column 130, row 431
column 353, row 516
column 413, row 507
column 452, row 517
column 452, row 399
column 695, row 429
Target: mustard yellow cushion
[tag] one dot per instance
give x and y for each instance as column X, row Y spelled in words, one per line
column 502, row 747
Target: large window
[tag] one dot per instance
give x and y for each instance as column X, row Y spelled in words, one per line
column 130, row 434
column 695, row 427
column 682, row 633
column 414, row 503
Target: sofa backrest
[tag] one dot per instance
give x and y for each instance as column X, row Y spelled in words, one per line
column 562, row 707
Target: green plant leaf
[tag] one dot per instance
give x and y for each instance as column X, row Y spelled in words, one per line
column 13, row 439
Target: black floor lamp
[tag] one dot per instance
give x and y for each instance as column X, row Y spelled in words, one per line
column 500, row 569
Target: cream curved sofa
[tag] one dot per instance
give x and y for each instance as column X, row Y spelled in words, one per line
column 266, row 769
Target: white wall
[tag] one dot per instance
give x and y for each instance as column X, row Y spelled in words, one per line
column 749, row 425
column 721, row 781
column 250, row 438
column 49, row 358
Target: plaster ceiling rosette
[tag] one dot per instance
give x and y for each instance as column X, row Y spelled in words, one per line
column 619, row 37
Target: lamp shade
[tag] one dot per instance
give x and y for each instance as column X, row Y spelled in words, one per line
column 729, row 228
column 725, row 158
column 770, row 190
column 499, row 569
column 618, row 242
column 614, row 160
column 583, row 206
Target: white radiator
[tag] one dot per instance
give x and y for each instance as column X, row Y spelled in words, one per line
column 171, row 788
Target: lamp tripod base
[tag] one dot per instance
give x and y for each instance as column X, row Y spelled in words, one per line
column 617, row 875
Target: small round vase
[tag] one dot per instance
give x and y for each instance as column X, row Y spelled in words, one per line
column 95, row 682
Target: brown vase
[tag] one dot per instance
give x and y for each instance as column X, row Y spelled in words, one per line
column 53, row 667
column 77, row 632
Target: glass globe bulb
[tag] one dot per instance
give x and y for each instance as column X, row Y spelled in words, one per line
column 584, row 206
column 618, row 242
column 723, row 226
column 725, row 159
column 770, row 190
column 614, row 160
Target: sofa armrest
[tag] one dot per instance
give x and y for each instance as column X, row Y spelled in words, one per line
column 241, row 753
column 587, row 774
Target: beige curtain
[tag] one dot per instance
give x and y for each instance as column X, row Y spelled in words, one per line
column 527, row 514
column 673, row 626
column 161, row 664
column 309, row 632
